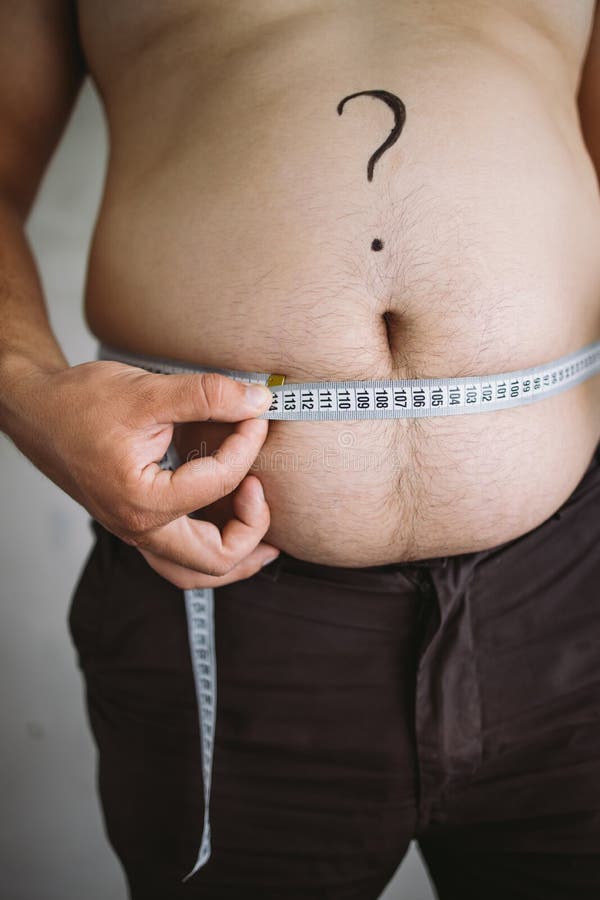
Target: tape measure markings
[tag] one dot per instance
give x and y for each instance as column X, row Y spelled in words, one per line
column 400, row 398
column 199, row 610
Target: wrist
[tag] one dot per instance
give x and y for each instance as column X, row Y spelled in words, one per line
column 21, row 387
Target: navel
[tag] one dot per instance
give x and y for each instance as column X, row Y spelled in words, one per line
column 387, row 317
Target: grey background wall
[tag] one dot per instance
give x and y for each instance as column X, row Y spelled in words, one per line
column 52, row 842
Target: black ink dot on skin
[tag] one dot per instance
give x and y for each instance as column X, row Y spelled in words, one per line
column 377, row 244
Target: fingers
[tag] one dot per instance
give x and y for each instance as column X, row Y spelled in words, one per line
column 188, row 579
column 199, row 545
column 209, row 569
column 201, row 481
column 198, row 397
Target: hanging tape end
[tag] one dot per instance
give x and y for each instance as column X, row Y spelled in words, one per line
column 193, row 872
column 203, row 858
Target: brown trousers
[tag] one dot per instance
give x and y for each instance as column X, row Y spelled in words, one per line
column 454, row 701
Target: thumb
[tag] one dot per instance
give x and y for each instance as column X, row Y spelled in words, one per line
column 200, row 396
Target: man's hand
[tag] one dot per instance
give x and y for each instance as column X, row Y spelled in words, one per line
column 99, row 429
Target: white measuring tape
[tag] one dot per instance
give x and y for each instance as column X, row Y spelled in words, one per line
column 344, row 400
column 401, row 398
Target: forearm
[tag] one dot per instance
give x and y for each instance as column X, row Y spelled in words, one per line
column 588, row 97
column 590, row 127
column 27, row 344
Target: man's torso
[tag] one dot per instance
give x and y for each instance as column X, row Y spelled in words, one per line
column 237, row 224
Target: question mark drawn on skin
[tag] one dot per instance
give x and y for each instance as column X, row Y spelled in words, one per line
column 399, row 110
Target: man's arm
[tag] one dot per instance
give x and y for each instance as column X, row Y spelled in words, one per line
column 42, row 71
column 98, row 429
column 589, row 94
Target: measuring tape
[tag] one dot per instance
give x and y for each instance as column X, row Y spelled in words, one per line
column 344, row 400
column 199, row 611
column 401, row 398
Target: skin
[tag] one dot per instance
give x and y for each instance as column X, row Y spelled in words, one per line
column 240, row 233
column 114, row 473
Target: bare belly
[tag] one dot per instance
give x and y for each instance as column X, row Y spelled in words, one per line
column 239, row 233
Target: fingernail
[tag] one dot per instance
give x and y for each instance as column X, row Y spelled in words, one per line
column 257, row 395
column 261, row 491
column 269, row 559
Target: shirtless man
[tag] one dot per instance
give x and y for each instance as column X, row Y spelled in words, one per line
column 421, row 660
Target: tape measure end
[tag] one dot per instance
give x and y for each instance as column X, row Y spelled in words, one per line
column 275, row 380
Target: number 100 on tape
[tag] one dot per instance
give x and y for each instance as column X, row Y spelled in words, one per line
column 388, row 399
